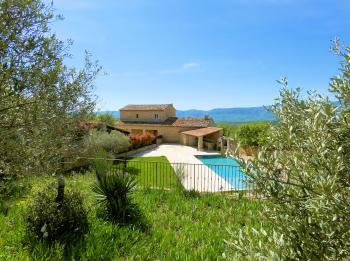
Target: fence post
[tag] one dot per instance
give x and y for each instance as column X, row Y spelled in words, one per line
column 156, row 174
column 194, row 177
column 124, row 167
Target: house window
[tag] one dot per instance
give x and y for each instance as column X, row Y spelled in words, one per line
column 156, row 116
column 137, row 116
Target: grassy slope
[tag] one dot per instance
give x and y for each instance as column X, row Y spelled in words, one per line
column 180, row 228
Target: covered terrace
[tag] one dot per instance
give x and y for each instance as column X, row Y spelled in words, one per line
column 204, row 137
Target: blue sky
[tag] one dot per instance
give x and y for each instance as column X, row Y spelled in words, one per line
column 204, row 54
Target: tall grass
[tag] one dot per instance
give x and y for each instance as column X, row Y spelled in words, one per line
column 180, row 227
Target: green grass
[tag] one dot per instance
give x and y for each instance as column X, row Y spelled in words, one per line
column 180, row 227
column 153, row 172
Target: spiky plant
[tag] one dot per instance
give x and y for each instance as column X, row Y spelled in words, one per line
column 114, row 190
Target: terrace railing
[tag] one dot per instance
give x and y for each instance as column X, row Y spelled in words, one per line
column 198, row 177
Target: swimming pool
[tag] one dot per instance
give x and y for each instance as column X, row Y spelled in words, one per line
column 226, row 168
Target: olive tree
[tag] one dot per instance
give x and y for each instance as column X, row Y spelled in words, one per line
column 42, row 100
column 109, row 144
column 303, row 172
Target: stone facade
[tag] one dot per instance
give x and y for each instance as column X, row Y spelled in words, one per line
column 161, row 120
column 147, row 114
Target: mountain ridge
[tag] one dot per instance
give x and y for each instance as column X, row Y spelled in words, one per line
column 241, row 114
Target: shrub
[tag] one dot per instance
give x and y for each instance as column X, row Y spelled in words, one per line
column 148, row 138
column 114, row 191
column 140, row 140
column 135, row 140
column 49, row 221
column 252, row 135
column 304, row 171
column 9, row 186
column 111, row 143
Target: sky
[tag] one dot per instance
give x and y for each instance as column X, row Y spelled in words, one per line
column 204, row 54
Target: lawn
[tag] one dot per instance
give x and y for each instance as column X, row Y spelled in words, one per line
column 181, row 226
column 153, row 172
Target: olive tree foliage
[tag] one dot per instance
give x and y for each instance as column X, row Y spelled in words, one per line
column 107, row 144
column 303, row 171
column 41, row 99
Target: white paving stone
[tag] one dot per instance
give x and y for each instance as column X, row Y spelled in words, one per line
column 196, row 176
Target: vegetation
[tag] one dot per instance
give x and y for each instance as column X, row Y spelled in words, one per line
column 147, row 174
column 50, row 220
column 180, row 228
column 141, row 140
column 304, row 170
column 42, row 102
column 41, row 99
column 105, row 118
column 112, row 143
column 114, row 190
column 252, row 134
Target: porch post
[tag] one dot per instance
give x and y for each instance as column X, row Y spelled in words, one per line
column 200, row 143
column 185, row 139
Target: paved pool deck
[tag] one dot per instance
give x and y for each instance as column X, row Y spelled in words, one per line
column 196, row 175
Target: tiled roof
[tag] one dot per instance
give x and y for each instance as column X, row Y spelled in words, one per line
column 145, row 107
column 173, row 121
column 202, row 132
column 192, row 122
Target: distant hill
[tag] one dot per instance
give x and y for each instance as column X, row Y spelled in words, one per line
column 223, row 114
column 231, row 114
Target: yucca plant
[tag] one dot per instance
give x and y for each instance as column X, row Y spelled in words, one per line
column 114, row 190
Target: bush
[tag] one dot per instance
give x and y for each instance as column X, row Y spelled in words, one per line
column 140, row 140
column 304, row 171
column 114, row 191
column 101, row 141
column 49, row 221
column 9, row 187
column 135, row 140
column 253, row 135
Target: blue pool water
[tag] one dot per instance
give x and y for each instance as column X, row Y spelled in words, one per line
column 226, row 168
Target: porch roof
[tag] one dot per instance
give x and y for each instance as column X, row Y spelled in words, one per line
column 202, row 132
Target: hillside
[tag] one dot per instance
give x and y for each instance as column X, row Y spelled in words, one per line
column 223, row 114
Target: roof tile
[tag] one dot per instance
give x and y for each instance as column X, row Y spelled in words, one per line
column 173, row 121
column 202, row 132
column 145, row 107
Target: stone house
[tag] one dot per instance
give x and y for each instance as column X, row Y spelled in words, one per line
column 161, row 121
